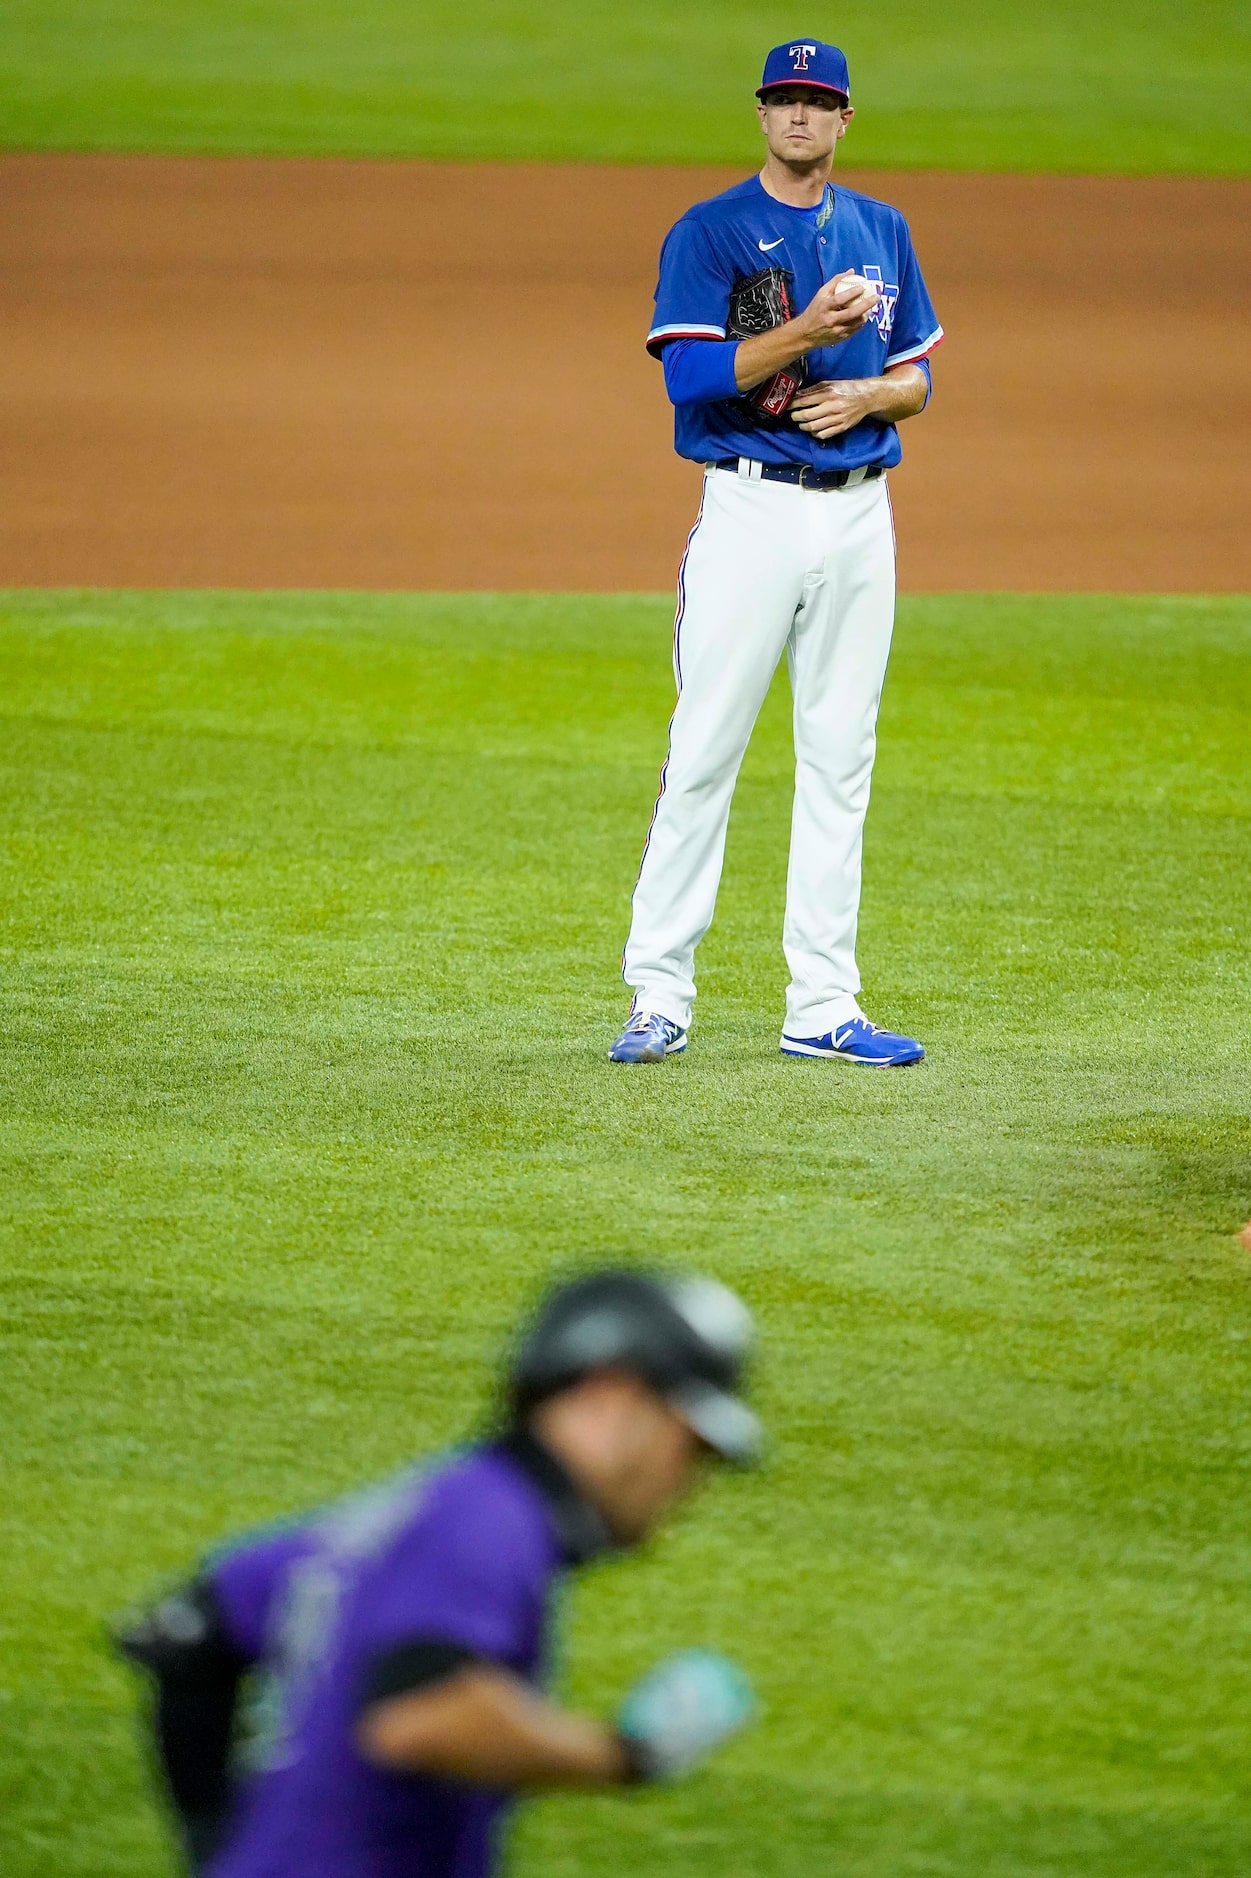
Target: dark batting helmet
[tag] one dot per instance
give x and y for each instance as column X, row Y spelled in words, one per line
column 687, row 1338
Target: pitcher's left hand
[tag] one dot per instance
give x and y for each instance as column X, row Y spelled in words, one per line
column 834, row 405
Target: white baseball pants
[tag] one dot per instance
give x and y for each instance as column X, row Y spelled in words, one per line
column 770, row 566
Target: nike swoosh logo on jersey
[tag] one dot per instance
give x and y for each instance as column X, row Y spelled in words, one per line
column 764, row 246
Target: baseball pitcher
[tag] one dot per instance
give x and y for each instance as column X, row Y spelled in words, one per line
column 794, row 328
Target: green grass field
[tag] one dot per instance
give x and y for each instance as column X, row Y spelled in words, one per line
column 977, row 84
column 311, row 913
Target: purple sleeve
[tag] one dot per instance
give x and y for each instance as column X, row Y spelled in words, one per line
column 473, row 1573
column 246, row 1580
column 699, row 371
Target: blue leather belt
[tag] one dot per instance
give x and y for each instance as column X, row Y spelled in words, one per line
column 801, row 473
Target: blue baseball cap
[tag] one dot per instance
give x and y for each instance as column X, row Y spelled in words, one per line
column 806, row 62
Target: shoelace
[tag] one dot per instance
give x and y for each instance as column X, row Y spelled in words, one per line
column 644, row 1020
column 849, row 1030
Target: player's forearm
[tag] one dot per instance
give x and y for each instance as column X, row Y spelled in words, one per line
column 901, row 392
column 487, row 1727
column 759, row 357
column 835, row 313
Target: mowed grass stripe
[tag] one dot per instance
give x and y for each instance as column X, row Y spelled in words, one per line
column 1087, row 85
column 312, row 906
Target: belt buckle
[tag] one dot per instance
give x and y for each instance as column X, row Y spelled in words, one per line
column 805, row 471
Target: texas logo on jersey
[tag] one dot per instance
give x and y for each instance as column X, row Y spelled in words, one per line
column 887, row 300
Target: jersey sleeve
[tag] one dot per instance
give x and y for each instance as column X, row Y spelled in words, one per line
column 693, row 291
column 469, row 1580
column 915, row 331
column 699, row 371
column 247, row 1577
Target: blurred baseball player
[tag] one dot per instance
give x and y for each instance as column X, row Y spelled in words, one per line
column 793, row 324
column 359, row 1694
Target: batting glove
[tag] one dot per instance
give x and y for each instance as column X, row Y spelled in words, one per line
column 681, row 1710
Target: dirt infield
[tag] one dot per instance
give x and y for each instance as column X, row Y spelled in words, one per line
column 266, row 373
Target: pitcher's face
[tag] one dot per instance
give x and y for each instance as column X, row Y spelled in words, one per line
column 802, row 125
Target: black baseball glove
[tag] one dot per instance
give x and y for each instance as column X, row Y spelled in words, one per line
column 195, row 1675
column 758, row 303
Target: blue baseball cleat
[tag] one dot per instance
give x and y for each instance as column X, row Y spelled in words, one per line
column 858, row 1041
column 648, row 1038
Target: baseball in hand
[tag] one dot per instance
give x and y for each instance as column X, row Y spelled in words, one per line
column 851, row 287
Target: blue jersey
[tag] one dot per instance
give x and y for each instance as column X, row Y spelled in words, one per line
column 734, row 235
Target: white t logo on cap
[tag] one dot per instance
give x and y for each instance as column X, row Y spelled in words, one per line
column 800, row 56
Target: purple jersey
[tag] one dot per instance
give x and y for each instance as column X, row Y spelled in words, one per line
column 461, row 1554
